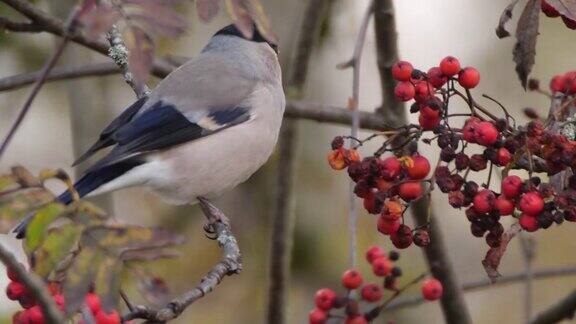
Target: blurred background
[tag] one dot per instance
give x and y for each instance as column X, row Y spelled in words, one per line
column 66, row 117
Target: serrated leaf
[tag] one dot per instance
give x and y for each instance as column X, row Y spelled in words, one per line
column 207, row 9
column 141, row 53
column 501, row 31
column 526, row 33
column 80, row 277
column 55, row 247
column 256, row 11
column 566, row 8
column 118, row 239
column 36, row 230
column 107, row 282
column 17, row 204
column 493, row 257
column 240, row 16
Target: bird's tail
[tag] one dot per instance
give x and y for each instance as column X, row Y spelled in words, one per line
column 88, row 183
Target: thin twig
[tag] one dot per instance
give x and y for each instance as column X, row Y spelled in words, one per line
column 230, row 264
column 563, row 309
column 486, row 283
column 376, row 311
column 40, row 81
column 354, row 63
column 35, row 285
column 528, row 254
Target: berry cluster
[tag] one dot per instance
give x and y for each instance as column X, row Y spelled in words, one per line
column 389, row 184
column 32, row 313
column 551, row 12
column 327, row 300
column 386, row 186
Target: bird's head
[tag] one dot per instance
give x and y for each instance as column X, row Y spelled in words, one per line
column 257, row 37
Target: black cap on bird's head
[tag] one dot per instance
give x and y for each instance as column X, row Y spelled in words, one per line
column 232, row 30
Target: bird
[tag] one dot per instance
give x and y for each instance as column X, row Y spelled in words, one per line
column 205, row 128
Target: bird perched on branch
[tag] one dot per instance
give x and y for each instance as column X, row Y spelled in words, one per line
column 207, row 127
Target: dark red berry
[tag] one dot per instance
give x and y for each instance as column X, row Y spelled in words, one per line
column 372, row 293
column 325, row 298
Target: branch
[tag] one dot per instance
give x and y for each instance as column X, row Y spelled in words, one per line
column 487, row 283
column 283, row 224
column 230, row 264
column 59, row 73
column 34, row 285
column 564, row 309
column 354, row 63
column 69, row 28
column 7, row 24
column 48, row 23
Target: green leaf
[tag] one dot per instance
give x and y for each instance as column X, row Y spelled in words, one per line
column 118, row 239
column 36, row 230
column 15, row 205
column 107, row 283
column 80, row 277
column 58, row 244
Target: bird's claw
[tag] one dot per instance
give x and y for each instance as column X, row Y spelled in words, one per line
column 210, row 231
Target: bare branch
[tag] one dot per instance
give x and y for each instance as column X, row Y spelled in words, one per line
column 564, row 309
column 283, row 224
column 486, row 283
column 230, row 264
column 35, row 285
column 53, row 25
column 7, row 24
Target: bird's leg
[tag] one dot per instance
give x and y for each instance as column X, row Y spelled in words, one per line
column 213, row 215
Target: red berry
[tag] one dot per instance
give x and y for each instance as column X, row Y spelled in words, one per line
column 404, row 91
column 428, row 123
column 548, row 10
column 483, row 201
column 390, row 168
column 317, row 316
column 352, row 279
column 436, row 77
column 569, row 82
column 388, row 227
column 60, row 302
column 382, row 267
column 373, row 253
column 531, row 203
column 35, row 315
column 486, row 133
column 370, row 204
column 420, row 168
column 103, row 317
column 503, row 156
column 469, row 130
column 504, row 206
column 423, row 91
column 402, row 238
column 568, row 22
column 511, row 186
column 15, row 290
column 429, row 112
column 402, row 71
column 372, row 293
column 325, row 298
column 410, row 190
column 528, row 222
column 356, row 319
column 449, row 66
column 12, row 274
column 557, row 83
column 93, row 302
column 469, row 77
column 432, row 289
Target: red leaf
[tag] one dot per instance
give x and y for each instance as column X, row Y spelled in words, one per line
column 494, row 255
column 140, row 53
column 207, row 9
column 240, row 16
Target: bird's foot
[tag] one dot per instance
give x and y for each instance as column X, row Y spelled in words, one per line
column 214, row 216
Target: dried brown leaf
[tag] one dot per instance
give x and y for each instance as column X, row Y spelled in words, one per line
column 256, row 11
column 207, row 9
column 99, row 20
column 493, row 257
column 566, row 8
column 501, row 31
column 240, row 16
column 107, row 282
column 526, row 34
column 14, row 205
column 158, row 19
column 81, row 275
column 141, row 53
